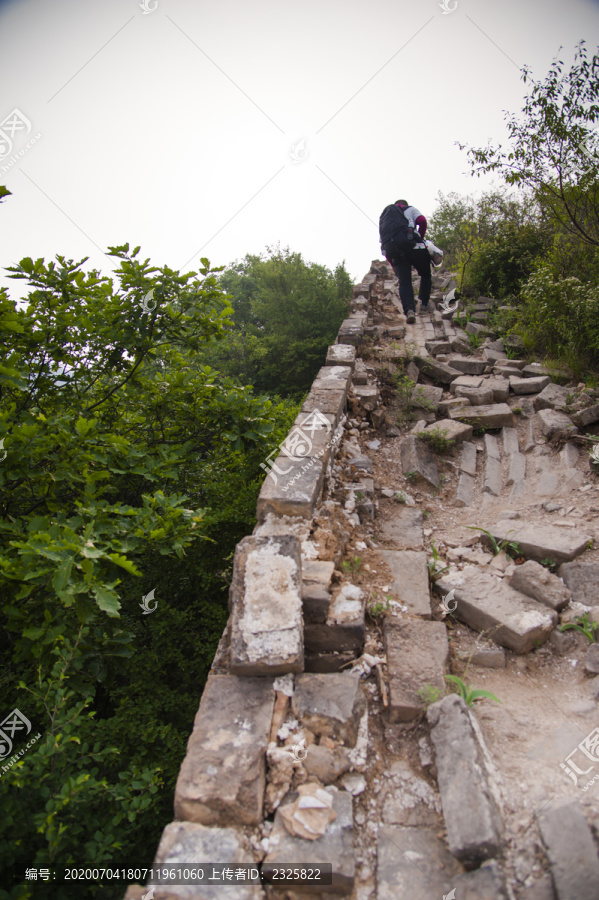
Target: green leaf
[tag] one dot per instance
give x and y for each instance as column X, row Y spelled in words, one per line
column 107, row 600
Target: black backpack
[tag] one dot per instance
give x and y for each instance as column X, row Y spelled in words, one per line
column 396, row 233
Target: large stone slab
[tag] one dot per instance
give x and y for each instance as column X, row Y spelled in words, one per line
column 190, row 845
column 554, row 396
column 453, row 432
column 313, row 436
column 335, row 847
column 265, row 599
column 223, row 775
column 333, row 378
column 413, row 864
column 366, row 396
column 542, row 541
column 344, row 629
column 325, row 402
column 330, row 705
column 468, row 381
column 404, row 529
column 571, row 851
column 417, row 654
column 486, row 883
column 418, row 461
column 410, row 579
column 517, row 469
column 496, row 415
column 555, row 424
column 297, row 490
column 587, row 416
column 528, row 385
column 436, row 370
column 468, row 458
column 341, row 355
column 465, row 491
column 426, row 396
column 537, row 582
column 351, row 331
column 468, row 365
column 482, row 396
column 583, row 580
column 467, row 782
column 492, row 483
column 500, row 387
column 488, row 604
column 316, row 583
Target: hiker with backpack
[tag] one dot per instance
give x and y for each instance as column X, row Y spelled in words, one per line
column 402, row 228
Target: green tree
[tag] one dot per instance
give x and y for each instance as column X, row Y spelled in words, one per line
column 286, row 313
column 130, row 466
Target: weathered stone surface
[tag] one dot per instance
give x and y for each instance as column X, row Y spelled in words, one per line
column 500, row 387
column 528, row 385
column 351, row 331
column 404, row 529
column 468, row 365
column 417, row 458
column 487, row 658
column 469, row 381
column 325, row 402
column 185, row 841
column 509, row 437
column 486, row 603
column 506, row 371
column 571, row 851
column 552, row 397
column 451, row 403
column 471, row 807
column 541, row 889
column 325, row 764
column 554, row 423
column 494, row 356
column 493, row 479
column 438, row 371
column 591, row 662
column 426, row 396
column 417, row 654
column 365, row 396
column 410, row 579
column 316, row 583
column 535, row 369
column 542, row 541
column 298, row 488
column 492, row 446
column 454, row 432
column 468, row 458
column 265, row 599
column 537, row 582
column 336, row 846
column 362, row 290
column 437, row 346
column 473, row 328
column 482, row 396
column 582, row 579
column 494, row 416
column 344, row 628
column 413, row 864
column 341, row 355
column 517, row 468
column 314, row 435
column 330, row 705
column 223, row 775
column 487, row 883
column 333, row 378
column 587, row 416
column 465, row 490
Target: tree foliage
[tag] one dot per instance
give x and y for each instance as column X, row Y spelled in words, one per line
column 122, row 454
column 286, row 313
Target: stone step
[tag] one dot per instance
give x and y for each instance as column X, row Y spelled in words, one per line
column 571, row 851
column 452, row 431
column 542, row 541
column 493, row 479
column 467, row 782
column 468, row 365
column 417, row 655
column 496, row 415
column 410, row 579
column 330, row 705
column 582, row 578
column 418, row 462
column 528, row 385
column 488, row 604
column 468, row 458
column 465, row 491
column 554, row 424
column 436, row 370
column 345, row 627
column 223, row 775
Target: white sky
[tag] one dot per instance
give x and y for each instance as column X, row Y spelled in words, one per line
column 174, row 129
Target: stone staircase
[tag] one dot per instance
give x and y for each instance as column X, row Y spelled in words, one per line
column 320, row 739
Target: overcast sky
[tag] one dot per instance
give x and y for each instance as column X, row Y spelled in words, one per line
column 199, row 128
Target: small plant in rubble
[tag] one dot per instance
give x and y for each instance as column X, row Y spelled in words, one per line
column 352, row 566
column 377, row 608
column 510, row 548
column 429, row 694
column 582, row 624
column 468, row 693
column 437, row 439
column 434, row 569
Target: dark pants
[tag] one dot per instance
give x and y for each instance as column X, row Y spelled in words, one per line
column 420, row 259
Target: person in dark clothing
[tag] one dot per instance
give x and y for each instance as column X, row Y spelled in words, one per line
column 418, row 257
